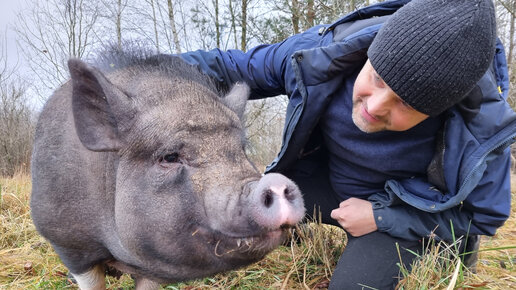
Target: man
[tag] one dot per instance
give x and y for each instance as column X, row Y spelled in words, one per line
column 397, row 126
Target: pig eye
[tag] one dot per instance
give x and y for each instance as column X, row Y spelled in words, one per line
column 170, row 158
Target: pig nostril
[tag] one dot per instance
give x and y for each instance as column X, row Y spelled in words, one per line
column 285, row 226
column 268, row 198
column 289, row 194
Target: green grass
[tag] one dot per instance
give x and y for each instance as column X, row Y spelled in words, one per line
column 28, row 262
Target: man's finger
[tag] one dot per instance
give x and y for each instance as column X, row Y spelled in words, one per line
column 335, row 214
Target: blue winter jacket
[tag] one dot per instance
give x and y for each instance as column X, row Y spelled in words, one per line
column 468, row 181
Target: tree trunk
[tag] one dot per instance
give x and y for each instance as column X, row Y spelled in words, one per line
column 295, row 16
column 173, row 26
column 155, row 22
column 72, row 17
column 510, row 6
column 243, row 37
column 511, row 36
column 310, row 14
column 217, row 23
column 119, row 24
column 233, row 22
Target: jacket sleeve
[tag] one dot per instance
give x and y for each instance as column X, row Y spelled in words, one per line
column 265, row 68
column 260, row 68
column 484, row 210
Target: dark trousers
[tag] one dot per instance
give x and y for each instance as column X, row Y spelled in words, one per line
column 369, row 261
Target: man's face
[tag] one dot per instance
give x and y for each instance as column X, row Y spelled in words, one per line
column 376, row 107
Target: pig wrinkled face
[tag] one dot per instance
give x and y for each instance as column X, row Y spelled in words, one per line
column 187, row 193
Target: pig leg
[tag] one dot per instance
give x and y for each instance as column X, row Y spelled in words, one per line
column 91, row 280
column 145, row 284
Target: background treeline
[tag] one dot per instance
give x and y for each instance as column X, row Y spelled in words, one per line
column 49, row 32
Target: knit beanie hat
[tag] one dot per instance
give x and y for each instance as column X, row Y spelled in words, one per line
column 431, row 53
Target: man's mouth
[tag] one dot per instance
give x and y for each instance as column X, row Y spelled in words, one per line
column 366, row 116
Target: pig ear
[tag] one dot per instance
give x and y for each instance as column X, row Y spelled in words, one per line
column 237, row 98
column 101, row 111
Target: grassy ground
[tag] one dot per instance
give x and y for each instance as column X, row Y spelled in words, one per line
column 28, row 262
column 498, row 268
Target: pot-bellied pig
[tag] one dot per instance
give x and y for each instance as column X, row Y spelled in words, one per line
column 141, row 167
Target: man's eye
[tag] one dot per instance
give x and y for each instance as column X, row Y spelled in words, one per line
column 377, row 80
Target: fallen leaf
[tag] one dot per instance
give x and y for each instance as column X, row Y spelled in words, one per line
column 28, row 268
column 322, row 285
column 483, row 284
column 60, row 274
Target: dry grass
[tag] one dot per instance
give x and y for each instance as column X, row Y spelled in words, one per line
column 305, row 263
column 26, row 259
column 28, row 262
column 498, row 267
column 434, row 270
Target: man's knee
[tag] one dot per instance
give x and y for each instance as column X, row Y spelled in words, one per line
column 371, row 261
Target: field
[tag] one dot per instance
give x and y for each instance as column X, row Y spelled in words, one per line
column 28, row 262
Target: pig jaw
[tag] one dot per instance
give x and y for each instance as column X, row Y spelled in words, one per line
column 207, row 244
column 259, row 222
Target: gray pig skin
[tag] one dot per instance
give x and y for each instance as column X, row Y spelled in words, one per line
column 140, row 165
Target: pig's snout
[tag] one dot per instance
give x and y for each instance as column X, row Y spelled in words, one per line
column 276, row 202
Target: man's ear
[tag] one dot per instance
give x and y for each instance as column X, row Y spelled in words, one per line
column 101, row 111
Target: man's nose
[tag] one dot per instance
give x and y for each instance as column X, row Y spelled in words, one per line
column 379, row 103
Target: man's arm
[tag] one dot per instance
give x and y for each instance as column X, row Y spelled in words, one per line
column 484, row 210
column 257, row 68
column 265, row 68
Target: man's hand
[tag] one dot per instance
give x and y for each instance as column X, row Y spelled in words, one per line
column 355, row 216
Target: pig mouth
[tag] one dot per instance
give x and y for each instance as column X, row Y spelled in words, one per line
column 251, row 246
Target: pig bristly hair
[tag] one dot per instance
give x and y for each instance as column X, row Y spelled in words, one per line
column 136, row 56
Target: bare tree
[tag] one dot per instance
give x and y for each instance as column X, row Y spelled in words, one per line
column 16, row 121
column 295, row 11
column 112, row 11
column 171, row 17
column 155, row 23
column 506, row 15
column 233, row 20
column 53, row 31
column 303, row 14
column 310, row 14
column 510, row 7
column 217, row 22
column 206, row 24
column 118, row 23
column 264, row 126
column 243, row 25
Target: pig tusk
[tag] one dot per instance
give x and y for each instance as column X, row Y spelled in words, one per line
column 216, row 246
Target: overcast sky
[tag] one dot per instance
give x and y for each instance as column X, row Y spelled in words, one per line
column 8, row 10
